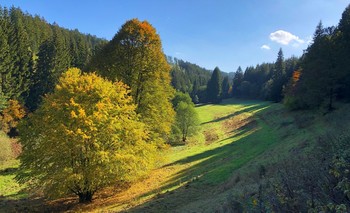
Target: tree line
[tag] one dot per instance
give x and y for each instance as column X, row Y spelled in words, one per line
column 264, row 81
column 316, row 79
column 34, row 53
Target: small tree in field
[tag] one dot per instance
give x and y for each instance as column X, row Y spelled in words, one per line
column 186, row 119
column 85, row 136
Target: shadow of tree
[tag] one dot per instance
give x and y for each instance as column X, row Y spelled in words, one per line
column 8, row 171
column 245, row 109
column 214, row 166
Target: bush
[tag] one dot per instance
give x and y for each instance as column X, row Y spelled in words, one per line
column 11, row 115
column 5, row 148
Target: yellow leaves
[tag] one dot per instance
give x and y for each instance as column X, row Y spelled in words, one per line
column 100, row 106
column 72, row 102
column 11, row 115
column 78, row 132
column 69, row 132
column 73, row 114
column 82, row 113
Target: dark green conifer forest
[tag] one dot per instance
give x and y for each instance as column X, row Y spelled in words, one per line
column 34, row 53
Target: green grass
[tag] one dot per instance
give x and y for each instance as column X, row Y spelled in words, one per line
column 216, row 161
column 9, row 188
column 242, row 135
column 236, row 138
column 248, row 134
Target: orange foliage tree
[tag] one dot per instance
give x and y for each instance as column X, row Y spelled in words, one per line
column 135, row 56
column 11, row 115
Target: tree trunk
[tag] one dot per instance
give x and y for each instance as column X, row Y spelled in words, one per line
column 85, row 197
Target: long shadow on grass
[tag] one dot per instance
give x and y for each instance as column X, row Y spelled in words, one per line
column 232, row 101
column 8, row 171
column 210, row 168
column 21, row 202
column 245, row 109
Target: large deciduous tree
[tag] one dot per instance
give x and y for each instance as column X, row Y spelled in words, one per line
column 135, row 57
column 85, row 135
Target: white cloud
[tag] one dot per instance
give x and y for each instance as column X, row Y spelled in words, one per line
column 265, row 47
column 284, row 37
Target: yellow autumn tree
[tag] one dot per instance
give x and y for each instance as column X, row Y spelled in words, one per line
column 85, row 136
column 135, row 56
column 11, row 115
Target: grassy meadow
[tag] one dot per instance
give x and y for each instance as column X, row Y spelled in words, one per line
column 236, row 138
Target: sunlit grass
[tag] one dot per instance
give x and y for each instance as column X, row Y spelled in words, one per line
column 240, row 136
column 233, row 134
column 8, row 186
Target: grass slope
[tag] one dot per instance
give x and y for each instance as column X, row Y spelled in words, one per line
column 236, row 138
column 233, row 135
column 9, row 189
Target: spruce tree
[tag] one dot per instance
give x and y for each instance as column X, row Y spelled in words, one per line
column 237, row 81
column 278, row 78
column 343, row 45
column 225, row 88
column 52, row 61
column 17, row 77
column 5, row 57
column 194, row 92
column 214, row 90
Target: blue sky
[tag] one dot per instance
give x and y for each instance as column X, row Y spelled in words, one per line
column 223, row 33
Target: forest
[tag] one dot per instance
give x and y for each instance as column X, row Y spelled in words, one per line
column 88, row 124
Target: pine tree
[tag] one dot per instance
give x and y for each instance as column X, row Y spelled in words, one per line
column 225, row 88
column 53, row 60
column 17, row 76
column 5, row 57
column 214, row 88
column 194, row 92
column 278, row 78
column 320, row 74
column 343, row 45
column 237, row 81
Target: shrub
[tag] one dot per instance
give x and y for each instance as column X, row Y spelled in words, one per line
column 11, row 115
column 5, row 147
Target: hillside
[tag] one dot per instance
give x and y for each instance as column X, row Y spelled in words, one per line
column 89, row 125
column 223, row 162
